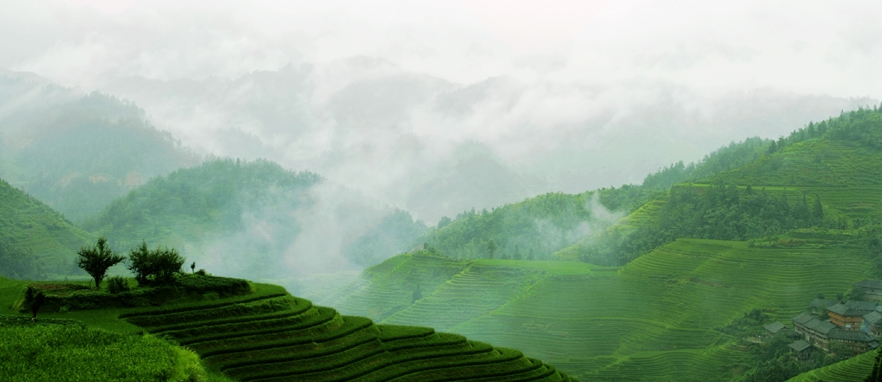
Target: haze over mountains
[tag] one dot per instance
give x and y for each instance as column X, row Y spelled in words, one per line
column 627, row 189
column 436, row 108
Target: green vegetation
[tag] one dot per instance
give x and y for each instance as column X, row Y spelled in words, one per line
column 285, row 338
column 77, row 153
column 158, row 266
column 36, row 242
column 61, row 350
column 265, row 334
column 644, row 321
column 97, row 259
column 852, row 369
column 228, row 207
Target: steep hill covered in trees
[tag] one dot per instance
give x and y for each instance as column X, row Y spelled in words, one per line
column 690, row 273
column 35, row 240
column 258, row 219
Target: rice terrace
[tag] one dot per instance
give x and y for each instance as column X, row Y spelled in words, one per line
column 440, row 191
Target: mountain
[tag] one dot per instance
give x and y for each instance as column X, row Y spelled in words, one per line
column 78, row 152
column 258, row 219
column 694, row 270
column 36, row 242
column 409, row 139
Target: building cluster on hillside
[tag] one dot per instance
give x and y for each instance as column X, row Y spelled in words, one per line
column 853, row 323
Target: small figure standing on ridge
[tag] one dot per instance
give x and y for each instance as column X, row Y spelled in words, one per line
column 35, row 305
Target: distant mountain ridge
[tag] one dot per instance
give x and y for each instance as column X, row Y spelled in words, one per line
column 78, row 152
column 258, row 219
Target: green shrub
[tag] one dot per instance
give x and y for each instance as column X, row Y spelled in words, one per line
column 224, row 286
column 157, row 266
column 117, row 284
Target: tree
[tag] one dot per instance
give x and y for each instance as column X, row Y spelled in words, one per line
column 159, row 265
column 491, row 249
column 97, row 259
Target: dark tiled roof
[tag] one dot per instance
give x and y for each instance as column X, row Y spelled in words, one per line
column 803, row 317
column 867, row 306
column 845, row 310
column 819, row 302
column 800, row 345
column 819, row 326
column 871, row 284
column 849, row 335
column 774, row 327
column 873, row 318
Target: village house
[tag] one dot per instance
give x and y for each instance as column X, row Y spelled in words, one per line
column 847, row 318
column 844, row 326
column 871, row 324
column 813, row 330
column 869, row 289
column 802, row 349
column 859, row 342
column 773, row 328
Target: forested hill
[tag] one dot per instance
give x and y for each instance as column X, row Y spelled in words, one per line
column 257, row 219
column 35, row 241
column 79, row 152
column 823, row 175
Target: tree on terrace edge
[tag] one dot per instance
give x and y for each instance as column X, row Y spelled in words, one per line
column 97, row 259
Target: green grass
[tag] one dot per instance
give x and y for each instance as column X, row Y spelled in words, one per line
column 47, row 351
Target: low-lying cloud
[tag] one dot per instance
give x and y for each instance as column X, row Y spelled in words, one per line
column 386, row 96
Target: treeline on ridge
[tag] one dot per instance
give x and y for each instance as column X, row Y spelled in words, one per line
column 538, row 227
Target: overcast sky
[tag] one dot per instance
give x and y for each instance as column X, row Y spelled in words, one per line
column 617, row 87
column 828, row 47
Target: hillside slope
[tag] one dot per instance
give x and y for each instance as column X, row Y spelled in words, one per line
column 682, row 306
column 644, row 321
column 78, row 152
column 283, row 338
column 258, row 220
column 264, row 334
column 35, row 240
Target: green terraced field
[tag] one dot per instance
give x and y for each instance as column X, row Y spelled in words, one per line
column 852, row 369
column 644, row 321
column 277, row 337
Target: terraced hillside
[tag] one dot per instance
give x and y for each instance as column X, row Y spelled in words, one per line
column 852, row 369
column 277, row 337
column 656, row 318
column 37, row 239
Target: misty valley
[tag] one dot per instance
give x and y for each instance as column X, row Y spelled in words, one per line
column 759, row 262
column 439, row 191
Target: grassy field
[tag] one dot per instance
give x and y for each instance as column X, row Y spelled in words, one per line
column 62, row 350
column 644, row 321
